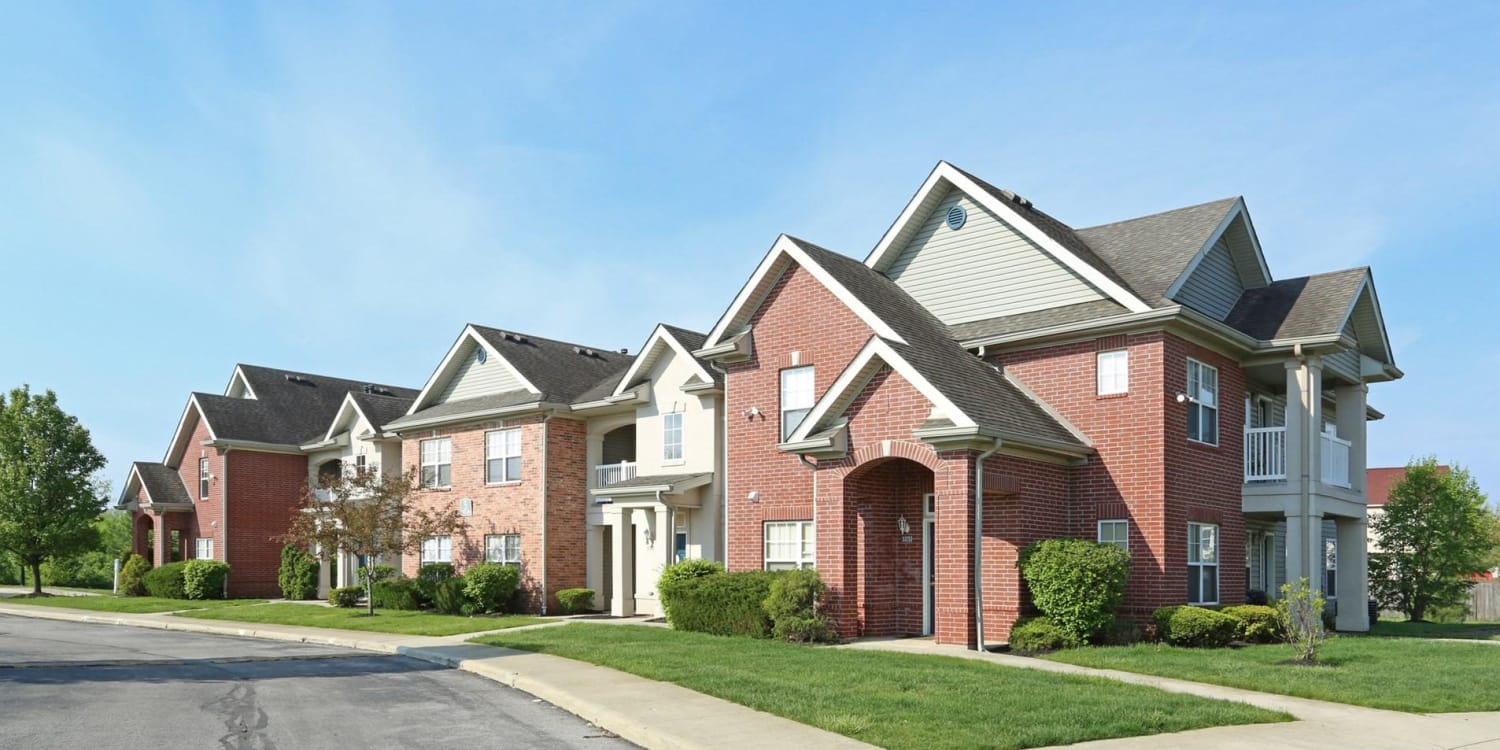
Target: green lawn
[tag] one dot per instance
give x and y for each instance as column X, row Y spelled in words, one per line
column 1403, row 674
column 136, row 605
column 1484, row 631
column 891, row 700
column 384, row 621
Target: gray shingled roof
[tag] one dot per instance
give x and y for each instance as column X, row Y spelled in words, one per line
column 289, row 408
column 382, row 410
column 557, row 368
column 652, row 481
column 1150, row 252
column 979, row 390
column 1294, row 308
column 469, row 406
column 162, row 483
column 1029, row 321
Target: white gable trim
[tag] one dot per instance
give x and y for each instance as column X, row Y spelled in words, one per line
column 449, row 366
column 660, row 336
column 1367, row 285
column 945, row 174
column 134, row 479
column 1237, row 211
column 858, row 373
column 239, row 376
column 344, row 409
column 179, row 435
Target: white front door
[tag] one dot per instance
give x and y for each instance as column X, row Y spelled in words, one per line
column 929, row 558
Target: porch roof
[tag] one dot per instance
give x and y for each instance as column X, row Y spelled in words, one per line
column 667, row 484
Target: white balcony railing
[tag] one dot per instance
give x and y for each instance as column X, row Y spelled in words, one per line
column 1336, row 461
column 1265, row 454
column 607, row 474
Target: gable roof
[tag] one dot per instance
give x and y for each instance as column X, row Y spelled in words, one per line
column 377, row 409
column 1300, row 307
column 162, row 483
column 664, row 337
column 1153, row 252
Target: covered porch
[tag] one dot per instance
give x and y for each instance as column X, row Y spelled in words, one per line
column 646, row 523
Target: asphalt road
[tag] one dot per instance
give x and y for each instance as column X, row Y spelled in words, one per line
column 80, row 685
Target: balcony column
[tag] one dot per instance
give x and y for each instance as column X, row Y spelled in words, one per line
column 1350, row 401
column 1304, row 549
column 622, row 539
column 594, row 450
column 1353, row 573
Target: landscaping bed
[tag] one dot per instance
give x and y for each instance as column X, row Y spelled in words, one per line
column 405, row 622
column 138, row 605
column 891, row 700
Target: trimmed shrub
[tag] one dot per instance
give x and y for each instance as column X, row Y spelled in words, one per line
column 298, row 576
column 576, row 601
column 1258, row 623
column 489, row 586
column 204, row 579
column 378, row 572
column 1256, row 596
column 1077, row 584
column 428, row 578
column 133, row 575
column 1195, row 627
column 1035, row 634
column 1121, row 632
column 681, row 572
column 448, row 596
column 395, row 593
column 346, row 597
column 724, row 604
column 794, row 606
column 166, row 582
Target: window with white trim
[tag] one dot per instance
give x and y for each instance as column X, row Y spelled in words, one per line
column 437, row 549
column 1203, row 563
column 796, row 398
column 789, row 545
column 1203, row 402
column 502, row 548
column 1331, row 568
column 679, row 535
column 1113, row 372
column 1116, row 532
column 671, row 436
column 502, row 456
column 437, row 462
column 203, row 548
column 361, row 465
column 203, row 479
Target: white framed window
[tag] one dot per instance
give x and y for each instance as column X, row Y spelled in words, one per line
column 671, row 436
column 361, row 465
column 796, row 398
column 203, row 479
column 502, row 548
column 1113, row 372
column 1203, row 563
column 679, row 535
column 437, row 549
column 1203, row 402
column 789, row 545
column 1115, row 531
column 502, row 456
column 203, row 548
column 1331, row 568
column 437, row 462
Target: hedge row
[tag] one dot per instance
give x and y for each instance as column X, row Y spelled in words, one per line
column 700, row 597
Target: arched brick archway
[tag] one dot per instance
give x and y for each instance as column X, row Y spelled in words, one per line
column 141, row 538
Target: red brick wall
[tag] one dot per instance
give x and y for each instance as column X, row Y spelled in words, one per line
column 206, row 519
column 1025, row 501
column 567, row 503
column 264, row 491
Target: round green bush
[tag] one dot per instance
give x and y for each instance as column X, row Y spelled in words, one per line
column 346, row 597
column 204, row 579
column 298, row 575
column 448, row 596
column 576, row 601
column 794, row 606
column 726, row 604
column 428, row 578
column 133, row 575
column 1077, row 584
column 395, row 593
column 1258, row 623
column 678, row 573
column 489, row 586
column 1195, row 627
column 166, row 582
column 1036, row 634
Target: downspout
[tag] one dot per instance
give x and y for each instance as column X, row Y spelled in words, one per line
column 224, row 513
column 1304, row 492
column 545, row 448
column 979, row 545
column 724, row 466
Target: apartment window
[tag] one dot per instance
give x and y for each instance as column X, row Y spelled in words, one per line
column 1114, row 372
column 1116, row 532
column 789, row 545
column 503, row 548
column 502, row 456
column 679, row 535
column 1331, row 568
column 796, row 398
column 202, row 479
column 361, row 466
column 1203, row 563
column 437, row 462
column 1203, row 402
column 671, row 436
column 437, row 549
column 203, row 548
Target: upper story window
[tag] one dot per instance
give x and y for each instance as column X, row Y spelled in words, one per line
column 203, row 479
column 1116, row 532
column 1203, row 563
column 361, row 465
column 796, row 398
column 502, row 456
column 1203, row 402
column 1114, row 372
column 671, row 436
column 437, row 462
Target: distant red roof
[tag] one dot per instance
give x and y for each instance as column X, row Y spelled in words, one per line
column 1378, row 482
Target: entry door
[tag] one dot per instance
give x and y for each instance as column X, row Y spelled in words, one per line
column 929, row 562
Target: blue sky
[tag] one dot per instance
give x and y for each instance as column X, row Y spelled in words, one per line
column 338, row 190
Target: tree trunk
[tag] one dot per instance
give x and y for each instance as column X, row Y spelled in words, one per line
column 370, row 595
column 36, row 578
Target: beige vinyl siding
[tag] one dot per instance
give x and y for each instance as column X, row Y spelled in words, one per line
column 475, row 379
column 983, row 270
column 1214, row 286
column 1278, row 411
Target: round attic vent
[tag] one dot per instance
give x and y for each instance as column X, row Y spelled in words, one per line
column 956, row 217
column 480, row 355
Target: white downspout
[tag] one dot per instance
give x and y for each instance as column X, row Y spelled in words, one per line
column 545, row 446
column 724, row 466
column 979, row 545
column 224, row 513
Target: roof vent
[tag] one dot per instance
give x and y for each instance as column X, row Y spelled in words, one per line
column 298, row 379
column 956, row 217
column 1013, row 198
column 378, row 390
column 624, row 351
column 516, row 337
column 585, row 351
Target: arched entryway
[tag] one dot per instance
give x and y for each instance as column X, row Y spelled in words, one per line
column 894, row 546
column 142, row 541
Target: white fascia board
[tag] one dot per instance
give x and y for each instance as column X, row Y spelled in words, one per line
column 857, row 373
column 253, row 445
column 1236, row 211
column 345, row 409
column 179, row 437
column 446, row 368
column 659, row 337
column 787, row 248
column 1368, row 286
column 133, row 479
column 399, row 427
column 877, row 259
column 239, row 375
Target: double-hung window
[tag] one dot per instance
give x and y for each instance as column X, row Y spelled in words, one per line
column 1203, row 402
column 1114, row 372
column 203, row 548
column 1331, row 568
column 503, row 548
column 789, row 545
column 203, row 479
column 1203, row 563
column 437, row 549
column 671, row 436
column 437, row 462
column 796, row 398
column 1116, row 532
column 502, row 456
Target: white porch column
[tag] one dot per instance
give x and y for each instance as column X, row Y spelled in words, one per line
column 1304, row 549
column 623, row 542
column 1350, row 402
column 661, row 550
column 1353, row 575
column 593, row 572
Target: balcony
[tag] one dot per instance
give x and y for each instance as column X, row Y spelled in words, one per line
column 607, row 474
column 1265, row 456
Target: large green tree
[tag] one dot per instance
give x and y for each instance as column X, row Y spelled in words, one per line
column 1434, row 534
column 47, row 467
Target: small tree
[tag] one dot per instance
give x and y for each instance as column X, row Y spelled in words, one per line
column 48, row 499
column 1301, row 611
column 1434, row 535
column 367, row 515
